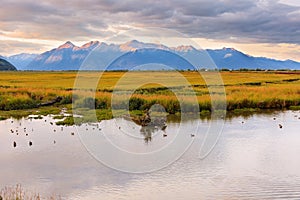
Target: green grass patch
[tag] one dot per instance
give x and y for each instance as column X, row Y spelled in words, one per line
column 246, row 110
column 59, row 117
column 294, row 107
column 36, row 117
column 2, row 118
column 42, row 111
column 68, row 121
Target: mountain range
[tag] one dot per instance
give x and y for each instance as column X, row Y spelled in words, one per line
column 134, row 53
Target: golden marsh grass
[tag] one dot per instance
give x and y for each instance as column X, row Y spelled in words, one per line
column 263, row 90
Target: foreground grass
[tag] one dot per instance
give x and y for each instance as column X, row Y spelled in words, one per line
column 18, row 193
column 22, row 93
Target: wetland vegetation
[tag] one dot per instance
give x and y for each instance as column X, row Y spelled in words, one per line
column 26, row 93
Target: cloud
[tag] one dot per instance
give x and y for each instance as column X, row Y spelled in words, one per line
column 13, row 47
column 291, row 2
column 242, row 21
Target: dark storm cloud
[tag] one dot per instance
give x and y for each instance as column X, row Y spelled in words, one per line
column 245, row 20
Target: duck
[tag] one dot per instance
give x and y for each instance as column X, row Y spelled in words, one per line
column 280, row 126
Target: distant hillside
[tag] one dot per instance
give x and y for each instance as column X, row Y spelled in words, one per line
column 6, row 66
column 70, row 57
column 21, row 60
column 232, row 59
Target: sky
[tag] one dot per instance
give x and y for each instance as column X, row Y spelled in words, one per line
column 269, row 28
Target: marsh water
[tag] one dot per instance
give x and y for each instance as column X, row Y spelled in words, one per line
column 253, row 159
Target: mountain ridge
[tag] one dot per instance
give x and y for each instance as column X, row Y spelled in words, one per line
column 70, row 57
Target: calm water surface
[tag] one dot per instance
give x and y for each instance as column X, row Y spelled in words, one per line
column 254, row 159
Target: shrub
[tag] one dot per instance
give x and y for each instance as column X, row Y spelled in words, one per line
column 67, row 99
column 171, row 106
column 136, row 103
column 102, row 103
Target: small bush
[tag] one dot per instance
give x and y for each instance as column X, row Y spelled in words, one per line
column 171, row 106
column 66, row 99
column 136, row 103
column 102, row 103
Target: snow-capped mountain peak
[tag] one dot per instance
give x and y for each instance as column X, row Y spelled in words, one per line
column 131, row 45
column 66, row 45
column 184, row 48
column 90, row 44
column 134, row 45
column 228, row 49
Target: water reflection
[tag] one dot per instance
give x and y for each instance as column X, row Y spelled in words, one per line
column 148, row 131
column 152, row 121
column 253, row 160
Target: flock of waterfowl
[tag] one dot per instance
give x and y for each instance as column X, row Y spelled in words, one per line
column 279, row 125
column 30, row 143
